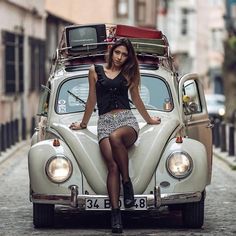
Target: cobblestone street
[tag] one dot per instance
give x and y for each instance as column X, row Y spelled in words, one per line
column 16, row 210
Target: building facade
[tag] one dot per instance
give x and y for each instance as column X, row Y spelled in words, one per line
column 133, row 12
column 196, row 31
column 22, row 45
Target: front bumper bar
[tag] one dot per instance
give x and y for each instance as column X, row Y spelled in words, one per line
column 153, row 200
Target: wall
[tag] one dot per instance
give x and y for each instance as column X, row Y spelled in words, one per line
column 27, row 18
column 82, row 12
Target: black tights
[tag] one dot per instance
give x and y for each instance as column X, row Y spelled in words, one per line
column 115, row 153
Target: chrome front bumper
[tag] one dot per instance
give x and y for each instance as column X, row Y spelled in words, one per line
column 153, row 200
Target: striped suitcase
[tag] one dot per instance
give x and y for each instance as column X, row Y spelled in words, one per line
column 149, row 46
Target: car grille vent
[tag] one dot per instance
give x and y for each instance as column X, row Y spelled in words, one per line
column 76, row 68
column 148, row 66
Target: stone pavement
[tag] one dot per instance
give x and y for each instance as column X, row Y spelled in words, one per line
column 10, row 151
column 224, row 156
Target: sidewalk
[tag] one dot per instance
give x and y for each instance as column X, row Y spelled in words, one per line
column 10, row 151
column 229, row 160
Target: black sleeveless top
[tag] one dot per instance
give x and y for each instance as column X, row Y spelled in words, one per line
column 111, row 93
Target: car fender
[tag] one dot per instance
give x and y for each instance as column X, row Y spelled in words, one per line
column 34, row 138
column 38, row 156
column 196, row 180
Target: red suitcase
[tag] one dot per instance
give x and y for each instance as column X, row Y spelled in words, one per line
column 137, row 32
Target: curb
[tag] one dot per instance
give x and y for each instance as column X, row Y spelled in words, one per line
column 10, row 151
column 229, row 160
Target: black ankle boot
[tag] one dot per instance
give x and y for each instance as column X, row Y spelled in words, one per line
column 116, row 222
column 128, row 194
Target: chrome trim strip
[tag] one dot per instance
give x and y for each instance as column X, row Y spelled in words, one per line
column 152, row 201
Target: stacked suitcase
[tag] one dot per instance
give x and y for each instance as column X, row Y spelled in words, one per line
column 145, row 41
column 88, row 43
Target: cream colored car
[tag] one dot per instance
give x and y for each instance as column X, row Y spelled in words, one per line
column 170, row 164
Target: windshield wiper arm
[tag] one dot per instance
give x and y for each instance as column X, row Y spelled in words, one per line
column 132, row 104
column 79, row 99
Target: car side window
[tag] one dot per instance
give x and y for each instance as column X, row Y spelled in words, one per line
column 191, row 98
column 72, row 96
column 155, row 93
column 44, row 101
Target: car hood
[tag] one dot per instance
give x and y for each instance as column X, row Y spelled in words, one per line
column 144, row 155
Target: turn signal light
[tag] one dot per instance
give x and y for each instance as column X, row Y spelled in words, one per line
column 56, row 142
column 179, row 139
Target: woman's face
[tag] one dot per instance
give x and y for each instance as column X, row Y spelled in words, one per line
column 120, row 55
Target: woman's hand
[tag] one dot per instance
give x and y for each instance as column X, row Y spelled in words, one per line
column 77, row 126
column 154, row 120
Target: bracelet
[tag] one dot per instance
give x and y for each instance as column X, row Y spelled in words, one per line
column 83, row 125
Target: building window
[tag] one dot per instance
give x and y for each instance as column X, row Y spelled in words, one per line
column 217, row 40
column 14, row 62
column 184, row 21
column 163, row 7
column 37, row 60
column 216, row 2
column 122, row 8
column 233, row 10
column 140, row 11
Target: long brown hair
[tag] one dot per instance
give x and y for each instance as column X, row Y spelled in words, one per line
column 130, row 69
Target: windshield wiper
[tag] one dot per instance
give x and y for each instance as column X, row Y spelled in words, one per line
column 79, row 99
column 132, row 104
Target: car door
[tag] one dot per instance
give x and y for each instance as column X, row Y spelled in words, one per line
column 194, row 113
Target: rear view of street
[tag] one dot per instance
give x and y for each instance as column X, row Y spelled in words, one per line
column 16, row 210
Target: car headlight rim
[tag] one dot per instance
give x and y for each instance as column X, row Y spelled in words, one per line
column 189, row 169
column 61, row 179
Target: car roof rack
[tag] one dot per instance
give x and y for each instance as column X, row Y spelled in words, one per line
column 88, row 44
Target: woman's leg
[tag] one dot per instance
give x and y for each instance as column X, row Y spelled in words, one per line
column 113, row 177
column 113, row 185
column 120, row 140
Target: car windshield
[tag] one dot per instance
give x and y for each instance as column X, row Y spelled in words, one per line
column 73, row 94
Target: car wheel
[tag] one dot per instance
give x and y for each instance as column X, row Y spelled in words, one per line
column 43, row 215
column 176, row 207
column 193, row 213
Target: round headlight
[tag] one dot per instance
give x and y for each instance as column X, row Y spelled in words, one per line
column 58, row 169
column 179, row 164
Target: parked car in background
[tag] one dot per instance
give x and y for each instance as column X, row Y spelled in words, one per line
column 215, row 105
column 170, row 163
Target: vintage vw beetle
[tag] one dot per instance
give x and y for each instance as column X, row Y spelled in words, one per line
column 170, row 164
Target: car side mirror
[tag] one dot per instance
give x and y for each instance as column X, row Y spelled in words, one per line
column 190, row 107
column 193, row 107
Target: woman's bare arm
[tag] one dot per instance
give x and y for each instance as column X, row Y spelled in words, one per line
column 91, row 101
column 136, row 99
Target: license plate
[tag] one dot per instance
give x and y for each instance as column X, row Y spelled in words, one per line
column 93, row 203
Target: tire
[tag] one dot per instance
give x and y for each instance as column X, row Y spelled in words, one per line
column 175, row 207
column 43, row 215
column 193, row 213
